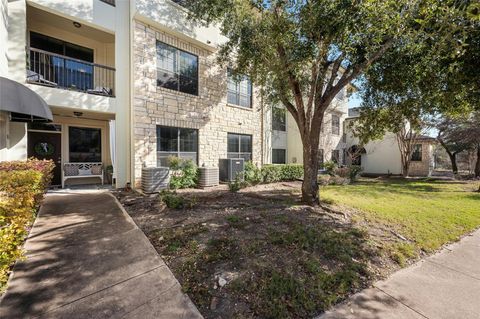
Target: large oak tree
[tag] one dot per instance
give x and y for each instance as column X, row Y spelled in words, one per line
column 303, row 53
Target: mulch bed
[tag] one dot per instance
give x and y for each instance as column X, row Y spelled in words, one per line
column 260, row 253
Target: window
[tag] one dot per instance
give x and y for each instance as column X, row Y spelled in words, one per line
column 417, row 153
column 85, row 144
column 239, row 90
column 335, row 124
column 279, row 119
column 336, row 156
column 344, row 156
column 279, row 156
column 174, row 141
column 176, row 69
column 239, row 146
column 320, row 158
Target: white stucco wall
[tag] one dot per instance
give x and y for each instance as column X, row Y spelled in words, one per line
column 328, row 141
column 382, row 156
column 92, row 12
column 171, row 17
column 3, row 38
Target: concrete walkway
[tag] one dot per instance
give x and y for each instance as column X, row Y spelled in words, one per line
column 443, row 286
column 87, row 259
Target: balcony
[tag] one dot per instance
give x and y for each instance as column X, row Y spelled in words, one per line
column 59, row 71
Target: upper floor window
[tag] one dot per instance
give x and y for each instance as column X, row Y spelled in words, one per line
column 417, row 153
column 335, row 124
column 176, row 69
column 239, row 90
column 279, row 119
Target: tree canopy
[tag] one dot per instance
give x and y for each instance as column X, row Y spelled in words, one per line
column 303, row 53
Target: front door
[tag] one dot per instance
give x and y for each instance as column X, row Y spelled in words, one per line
column 44, row 145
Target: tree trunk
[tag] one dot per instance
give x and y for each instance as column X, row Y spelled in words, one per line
column 310, row 189
column 477, row 165
column 453, row 160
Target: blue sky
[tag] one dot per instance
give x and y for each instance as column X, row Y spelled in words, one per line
column 354, row 100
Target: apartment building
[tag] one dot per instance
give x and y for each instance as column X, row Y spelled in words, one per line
column 129, row 83
column 132, row 82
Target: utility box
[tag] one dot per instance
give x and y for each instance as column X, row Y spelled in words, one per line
column 208, row 176
column 230, row 168
column 154, row 179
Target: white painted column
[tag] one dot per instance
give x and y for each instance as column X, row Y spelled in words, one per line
column 122, row 92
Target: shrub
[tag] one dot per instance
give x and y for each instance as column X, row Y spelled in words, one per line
column 175, row 201
column 291, row 172
column 252, row 174
column 342, row 172
column 324, row 179
column 330, row 167
column 22, row 185
column 281, row 172
column 237, row 184
column 271, row 173
column 184, row 173
column 354, row 170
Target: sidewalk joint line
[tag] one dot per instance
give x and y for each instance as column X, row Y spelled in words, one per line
column 100, row 290
column 452, row 269
column 414, row 310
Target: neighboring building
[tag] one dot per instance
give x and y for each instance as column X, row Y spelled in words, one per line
column 382, row 157
column 283, row 137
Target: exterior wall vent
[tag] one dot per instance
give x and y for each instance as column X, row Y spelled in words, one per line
column 208, row 176
column 154, row 179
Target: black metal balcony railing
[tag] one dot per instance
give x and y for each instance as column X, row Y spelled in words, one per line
column 56, row 70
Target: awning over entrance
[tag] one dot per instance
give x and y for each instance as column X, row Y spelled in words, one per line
column 23, row 103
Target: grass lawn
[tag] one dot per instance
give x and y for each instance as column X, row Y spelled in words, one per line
column 428, row 213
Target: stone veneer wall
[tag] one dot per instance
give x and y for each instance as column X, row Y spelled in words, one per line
column 421, row 168
column 208, row 112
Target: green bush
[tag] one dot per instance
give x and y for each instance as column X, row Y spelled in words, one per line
column 353, row 172
column 22, row 185
column 252, row 174
column 281, row 172
column 184, row 173
column 237, row 184
column 291, row 172
column 330, row 167
column 175, row 201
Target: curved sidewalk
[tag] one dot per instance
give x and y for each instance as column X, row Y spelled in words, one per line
column 86, row 258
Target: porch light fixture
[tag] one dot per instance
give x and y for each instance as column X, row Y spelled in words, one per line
column 76, row 24
column 78, row 114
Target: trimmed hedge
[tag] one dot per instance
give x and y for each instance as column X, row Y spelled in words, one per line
column 272, row 173
column 22, row 185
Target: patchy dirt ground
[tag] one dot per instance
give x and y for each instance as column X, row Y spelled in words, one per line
column 259, row 253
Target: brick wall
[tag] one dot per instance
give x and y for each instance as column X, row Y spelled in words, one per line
column 208, row 112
